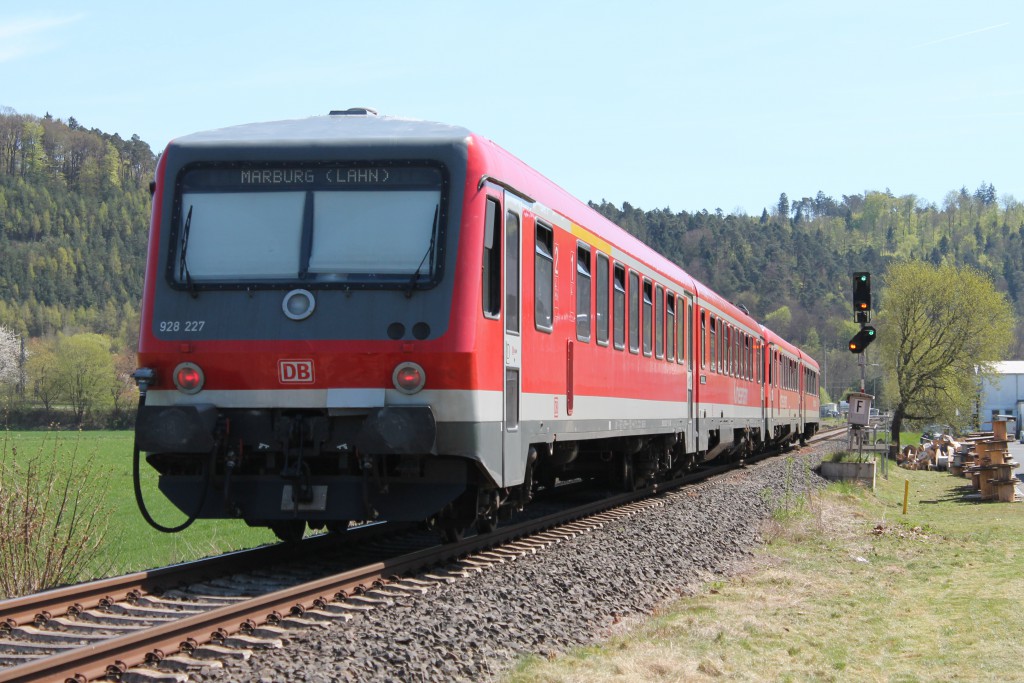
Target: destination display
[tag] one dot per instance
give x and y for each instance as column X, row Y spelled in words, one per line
column 310, row 177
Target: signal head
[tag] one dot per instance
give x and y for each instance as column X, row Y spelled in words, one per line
column 862, row 339
column 861, row 293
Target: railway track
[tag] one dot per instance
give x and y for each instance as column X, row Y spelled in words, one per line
column 124, row 626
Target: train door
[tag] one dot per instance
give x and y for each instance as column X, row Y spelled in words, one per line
column 773, row 392
column 686, row 341
column 762, row 355
column 801, row 395
column 512, row 440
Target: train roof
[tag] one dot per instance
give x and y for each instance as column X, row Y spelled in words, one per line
column 773, row 338
column 350, row 127
column 526, row 178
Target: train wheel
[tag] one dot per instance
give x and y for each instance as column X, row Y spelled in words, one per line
column 451, row 531
column 488, row 502
column 628, row 479
column 289, row 531
column 486, row 523
column 453, row 522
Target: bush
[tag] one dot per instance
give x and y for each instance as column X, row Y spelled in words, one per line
column 51, row 523
column 848, row 456
column 24, row 416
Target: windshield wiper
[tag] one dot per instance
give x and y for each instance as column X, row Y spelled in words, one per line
column 183, row 263
column 427, row 256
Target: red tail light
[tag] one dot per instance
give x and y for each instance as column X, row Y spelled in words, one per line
column 409, row 378
column 188, row 377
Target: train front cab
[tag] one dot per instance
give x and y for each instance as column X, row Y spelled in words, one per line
column 299, row 416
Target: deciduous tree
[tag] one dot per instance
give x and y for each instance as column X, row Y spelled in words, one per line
column 10, row 357
column 44, row 379
column 940, row 330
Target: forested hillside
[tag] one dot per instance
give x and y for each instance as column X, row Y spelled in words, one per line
column 74, row 212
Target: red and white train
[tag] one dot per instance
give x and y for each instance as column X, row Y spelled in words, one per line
column 355, row 317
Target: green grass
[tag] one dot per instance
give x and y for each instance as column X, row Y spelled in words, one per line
column 102, row 462
column 849, row 590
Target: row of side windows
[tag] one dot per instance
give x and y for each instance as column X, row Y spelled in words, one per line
column 792, row 377
column 783, row 371
column 727, row 349
column 662, row 332
column 494, row 251
column 789, row 378
column 810, row 382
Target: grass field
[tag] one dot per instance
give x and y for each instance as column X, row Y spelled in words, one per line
column 849, row 590
column 101, row 465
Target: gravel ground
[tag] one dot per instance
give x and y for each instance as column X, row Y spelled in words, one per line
column 572, row 594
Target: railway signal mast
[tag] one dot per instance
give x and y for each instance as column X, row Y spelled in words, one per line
column 860, row 403
column 862, row 314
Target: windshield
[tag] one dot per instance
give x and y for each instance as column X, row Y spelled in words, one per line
column 323, row 224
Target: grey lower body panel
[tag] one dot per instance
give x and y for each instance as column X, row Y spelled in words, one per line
column 270, row 498
column 393, row 463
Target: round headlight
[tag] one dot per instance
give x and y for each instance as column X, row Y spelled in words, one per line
column 298, row 304
column 188, row 377
column 409, row 377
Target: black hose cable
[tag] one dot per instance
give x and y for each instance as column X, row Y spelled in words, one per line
column 136, row 480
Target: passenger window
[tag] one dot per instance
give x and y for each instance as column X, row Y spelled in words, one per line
column 681, row 320
column 648, row 316
column 703, row 341
column 713, row 344
column 583, row 292
column 543, row 278
column 736, row 353
column 750, row 358
column 602, row 299
column 659, row 322
column 757, row 361
column 723, row 353
column 729, row 348
column 730, row 344
column 512, row 272
column 723, row 347
column 492, row 260
column 634, row 312
column 670, row 326
column 619, row 305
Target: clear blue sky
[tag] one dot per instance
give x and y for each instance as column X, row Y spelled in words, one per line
column 671, row 104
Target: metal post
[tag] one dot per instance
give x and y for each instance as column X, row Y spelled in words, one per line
column 863, row 363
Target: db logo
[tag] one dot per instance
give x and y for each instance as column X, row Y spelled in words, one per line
column 295, row 371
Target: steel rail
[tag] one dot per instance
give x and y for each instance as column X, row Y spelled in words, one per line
column 29, row 609
column 93, row 660
column 118, row 654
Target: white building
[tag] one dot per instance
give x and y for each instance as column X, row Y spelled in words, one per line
column 1003, row 395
